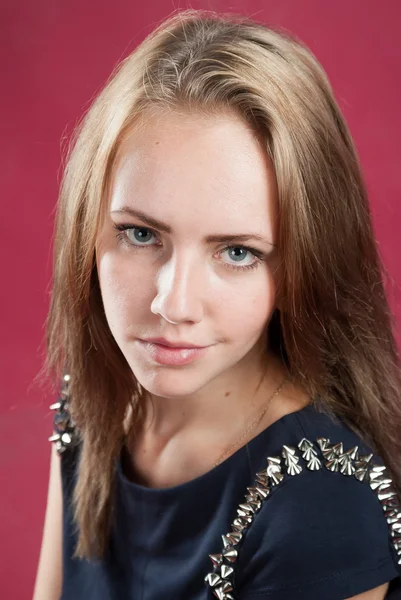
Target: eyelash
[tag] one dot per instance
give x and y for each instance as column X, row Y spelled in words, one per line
column 122, row 228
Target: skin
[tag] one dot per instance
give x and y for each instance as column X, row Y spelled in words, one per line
column 201, row 176
column 378, row 593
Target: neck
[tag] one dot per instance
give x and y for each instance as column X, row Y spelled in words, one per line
column 221, row 405
column 181, row 438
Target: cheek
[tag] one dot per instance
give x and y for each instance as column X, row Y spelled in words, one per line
column 245, row 309
column 123, row 292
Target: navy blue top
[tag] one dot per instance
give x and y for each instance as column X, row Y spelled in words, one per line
column 318, row 535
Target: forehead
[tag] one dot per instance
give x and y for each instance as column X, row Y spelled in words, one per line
column 180, row 166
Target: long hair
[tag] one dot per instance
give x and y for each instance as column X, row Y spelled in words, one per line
column 334, row 328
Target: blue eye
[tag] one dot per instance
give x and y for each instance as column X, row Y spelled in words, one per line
column 138, row 234
column 237, row 252
column 135, row 236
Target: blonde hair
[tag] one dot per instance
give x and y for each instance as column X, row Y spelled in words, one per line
column 334, row 328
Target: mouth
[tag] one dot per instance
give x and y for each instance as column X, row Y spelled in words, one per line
column 174, row 356
column 177, row 345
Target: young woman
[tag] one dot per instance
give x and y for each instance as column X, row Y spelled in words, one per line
column 228, row 422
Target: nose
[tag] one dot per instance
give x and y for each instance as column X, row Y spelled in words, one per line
column 179, row 297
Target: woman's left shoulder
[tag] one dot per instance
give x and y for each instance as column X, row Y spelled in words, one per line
column 321, row 520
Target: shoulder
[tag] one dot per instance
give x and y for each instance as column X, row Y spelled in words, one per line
column 321, row 519
column 66, row 436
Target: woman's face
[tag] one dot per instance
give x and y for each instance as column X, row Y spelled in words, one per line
column 202, row 179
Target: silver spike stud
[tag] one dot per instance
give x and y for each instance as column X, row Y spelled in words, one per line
column 305, row 444
column 223, row 591
column 396, row 527
column 226, row 571
column 257, row 493
column 377, row 470
column 338, row 448
column 291, row 460
column 361, row 474
column 230, row 554
column 239, row 525
column 263, row 492
column 323, row 443
column 332, row 452
column 345, row 461
column 314, row 464
column 366, row 458
column 391, row 502
column 332, row 465
column 347, row 468
column 274, row 470
column 262, row 478
column 212, row 579
column 380, row 484
column 392, row 517
column 385, row 496
column 60, row 447
column 66, row 438
column 234, row 537
column 243, row 513
column 252, row 506
column 216, row 559
column 329, row 454
column 218, row 592
column 353, row 452
column 308, row 453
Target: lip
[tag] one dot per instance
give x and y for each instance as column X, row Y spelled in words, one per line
column 169, row 344
column 166, row 355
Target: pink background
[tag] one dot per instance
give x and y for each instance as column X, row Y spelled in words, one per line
column 55, row 56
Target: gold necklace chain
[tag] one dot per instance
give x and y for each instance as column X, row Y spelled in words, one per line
column 252, row 425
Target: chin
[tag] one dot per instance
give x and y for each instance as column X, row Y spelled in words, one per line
column 167, row 382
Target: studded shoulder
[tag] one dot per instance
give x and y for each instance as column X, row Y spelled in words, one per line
column 292, row 462
column 66, row 433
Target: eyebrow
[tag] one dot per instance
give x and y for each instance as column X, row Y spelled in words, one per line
column 225, row 238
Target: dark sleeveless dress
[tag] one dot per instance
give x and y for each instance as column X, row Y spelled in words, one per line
column 302, row 512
